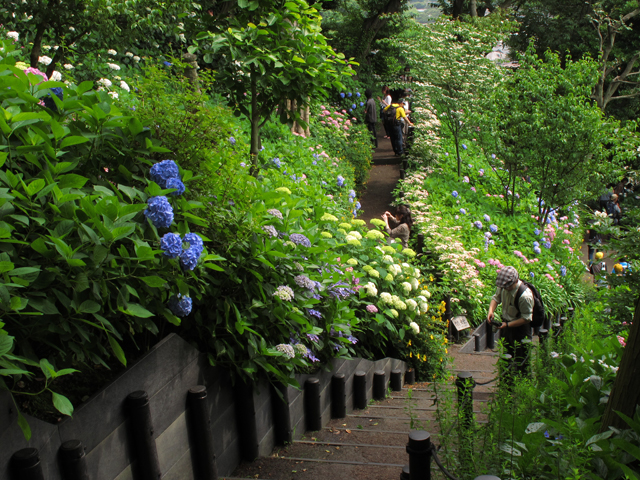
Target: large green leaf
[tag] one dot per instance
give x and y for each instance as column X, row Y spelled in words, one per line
column 62, row 404
column 137, row 310
column 154, row 281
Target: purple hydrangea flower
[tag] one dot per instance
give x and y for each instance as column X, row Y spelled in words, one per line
column 358, row 206
column 177, row 184
column 463, row 211
column 353, row 106
column 478, row 224
column 314, row 313
column 300, row 239
column 563, row 271
column 159, row 211
column 232, row 140
column 493, row 155
column 546, row 244
column 171, row 245
column 358, row 94
column 362, row 104
column 454, row 194
column 276, row 162
column 486, row 217
column 537, row 232
column 180, row 305
column 270, row 230
column 340, row 180
column 537, row 250
column 313, row 338
column 189, row 258
column 167, row 64
column 349, row 94
column 352, row 339
column 352, row 194
column 493, row 228
column 536, row 244
column 162, row 171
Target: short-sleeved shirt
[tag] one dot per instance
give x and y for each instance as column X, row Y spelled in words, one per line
column 400, row 113
column 372, row 114
column 507, row 299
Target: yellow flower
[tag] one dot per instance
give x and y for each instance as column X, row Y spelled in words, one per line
column 410, row 354
column 446, row 341
column 409, row 344
column 431, row 337
column 446, row 350
column 441, row 359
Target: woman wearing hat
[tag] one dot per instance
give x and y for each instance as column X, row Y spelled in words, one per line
column 515, row 318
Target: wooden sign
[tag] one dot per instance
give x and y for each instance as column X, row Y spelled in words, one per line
column 460, row 323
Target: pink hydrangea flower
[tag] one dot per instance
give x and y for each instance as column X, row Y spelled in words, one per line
column 372, row 309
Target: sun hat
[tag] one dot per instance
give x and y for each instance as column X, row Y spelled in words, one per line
column 614, row 197
column 618, row 268
column 599, row 255
column 507, row 276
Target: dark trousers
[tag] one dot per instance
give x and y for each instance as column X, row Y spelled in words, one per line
column 513, row 338
column 396, row 139
column 374, row 135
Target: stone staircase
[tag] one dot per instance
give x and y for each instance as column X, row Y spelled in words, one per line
column 370, row 444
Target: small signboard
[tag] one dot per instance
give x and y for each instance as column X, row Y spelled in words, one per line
column 460, row 323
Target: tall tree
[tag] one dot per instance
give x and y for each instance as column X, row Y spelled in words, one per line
column 270, row 55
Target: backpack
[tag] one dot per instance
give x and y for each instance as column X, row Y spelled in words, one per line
column 537, row 316
column 389, row 116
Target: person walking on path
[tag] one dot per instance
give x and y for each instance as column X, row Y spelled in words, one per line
column 371, row 116
column 515, row 317
column 403, row 221
column 384, row 103
column 394, row 116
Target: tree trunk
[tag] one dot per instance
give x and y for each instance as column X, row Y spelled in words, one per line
column 457, row 10
column 474, row 8
column 304, row 116
column 625, row 394
column 372, row 25
column 37, row 45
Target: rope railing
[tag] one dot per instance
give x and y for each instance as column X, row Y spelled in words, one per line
column 434, row 454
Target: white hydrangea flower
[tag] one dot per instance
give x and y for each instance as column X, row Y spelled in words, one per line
column 421, row 299
column 395, row 269
column 386, row 297
column 387, row 259
column 113, row 66
column 129, row 54
column 72, row 29
column 124, row 86
column 104, row 82
column 13, row 35
column 415, row 327
column 68, row 66
column 56, row 76
column 427, row 293
column 352, row 261
column 406, row 286
column 136, row 58
column 394, row 313
column 412, row 304
column 389, row 277
column 400, row 305
column 356, row 234
column 300, row 349
column 111, row 51
column 182, row 37
column 286, row 349
column 44, row 60
column 371, row 289
column 113, row 95
column 414, row 283
column 46, row 48
column 424, row 308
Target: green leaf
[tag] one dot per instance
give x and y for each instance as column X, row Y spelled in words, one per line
column 44, row 305
column 121, row 232
column 71, row 180
column 35, row 186
column 137, row 310
column 6, row 342
column 117, row 350
column 18, row 303
column 89, row 306
column 62, row 404
column 6, row 266
column 599, row 436
column 47, row 368
column 154, row 281
column 24, row 426
column 73, row 140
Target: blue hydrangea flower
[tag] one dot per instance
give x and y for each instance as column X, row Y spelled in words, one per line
column 167, row 64
column 536, row 244
column 232, row 140
column 314, row 313
column 162, row 171
column 352, row 194
column 463, row 211
column 342, row 95
column 340, row 180
column 358, row 205
column 493, row 155
column 159, row 211
column 464, row 147
column 537, row 232
column 194, row 241
column 493, row 228
column 481, row 171
column 177, row 184
column 486, row 217
column 546, row 244
column 358, row 94
column 48, row 100
column 454, row 194
column 487, row 234
column 352, row 339
column 349, row 94
column 189, row 258
column 180, row 305
column 300, row 239
column 362, row 104
column 276, row 162
column 537, row 250
column 563, row 271
column 353, row 106
column 532, row 274
column 478, row 224
column 171, row 245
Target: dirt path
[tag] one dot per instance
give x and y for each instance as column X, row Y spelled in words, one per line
column 383, row 178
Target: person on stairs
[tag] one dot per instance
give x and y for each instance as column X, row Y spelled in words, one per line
column 371, row 116
column 384, row 103
column 515, row 318
column 394, row 118
column 403, row 221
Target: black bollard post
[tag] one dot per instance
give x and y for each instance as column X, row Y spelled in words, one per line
column 478, row 344
column 405, row 164
column 419, row 450
column 420, row 243
column 402, row 174
column 547, row 322
column 447, row 317
column 312, row 412
column 379, row 385
column 338, row 396
column 360, row 390
column 405, row 475
column 396, row 380
column 491, row 339
column 487, row 477
column 465, row 385
column 25, row 465
column 73, row 463
column 525, row 368
column 281, row 419
column 542, row 335
column 200, row 429
column 142, row 435
column 410, row 377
